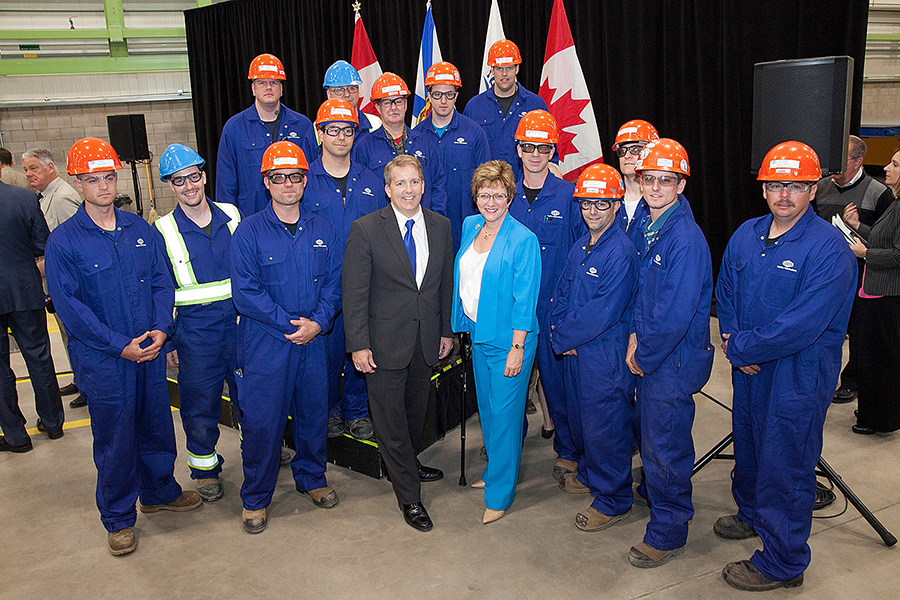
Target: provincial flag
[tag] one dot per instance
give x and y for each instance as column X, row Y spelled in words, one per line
column 494, row 34
column 363, row 60
column 429, row 53
column 564, row 90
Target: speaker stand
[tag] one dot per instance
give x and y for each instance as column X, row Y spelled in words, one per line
column 138, row 206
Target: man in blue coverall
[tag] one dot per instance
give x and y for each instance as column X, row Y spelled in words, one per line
column 543, row 203
column 342, row 82
column 630, row 140
column 591, row 317
column 668, row 347
column 342, row 190
column 461, row 144
column 247, row 134
column 286, row 286
column 108, row 281
column 196, row 238
column 499, row 109
column 784, row 296
column 375, row 151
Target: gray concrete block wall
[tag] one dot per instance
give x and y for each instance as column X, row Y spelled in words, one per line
column 881, row 102
column 58, row 127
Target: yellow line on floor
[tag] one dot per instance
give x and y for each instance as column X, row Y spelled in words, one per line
column 58, row 376
column 73, row 424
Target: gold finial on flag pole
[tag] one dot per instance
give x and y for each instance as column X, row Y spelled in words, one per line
column 356, row 7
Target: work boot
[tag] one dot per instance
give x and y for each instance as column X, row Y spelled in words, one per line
column 562, row 467
column 253, row 521
column 122, row 542
column 361, row 428
column 571, row 485
column 210, row 490
column 743, row 575
column 323, row 497
column 592, row 519
column 186, row 501
column 336, row 427
column 645, row 556
column 731, row 527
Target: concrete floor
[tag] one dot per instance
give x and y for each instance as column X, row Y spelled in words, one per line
column 53, row 544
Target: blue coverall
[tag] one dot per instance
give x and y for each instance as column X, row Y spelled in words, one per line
column 204, row 338
column 368, row 124
column 634, row 230
column 461, row 148
column 671, row 320
column 374, row 152
column 242, row 144
column 786, row 307
column 110, row 287
column 323, row 196
column 277, row 277
column 592, row 312
column 555, row 218
column 501, row 132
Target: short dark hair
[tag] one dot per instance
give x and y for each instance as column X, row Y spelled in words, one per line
column 5, row 157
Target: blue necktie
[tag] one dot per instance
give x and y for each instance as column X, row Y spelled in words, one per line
column 410, row 244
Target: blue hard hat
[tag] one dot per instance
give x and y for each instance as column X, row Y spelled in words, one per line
column 341, row 73
column 178, row 157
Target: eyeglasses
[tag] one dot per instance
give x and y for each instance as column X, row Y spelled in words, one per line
column 541, row 148
column 108, row 178
column 267, row 82
column 600, row 205
column 634, row 150
column 385, row 102
column 793, row 187
column 344, row 90
column 279, row 178
column 497, row 197
column 664, row 181
column 336, row 130
column 181, row 179
column 438, row 95
column 507, row 69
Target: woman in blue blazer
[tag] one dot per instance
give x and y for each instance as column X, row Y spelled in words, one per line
column 496, row 281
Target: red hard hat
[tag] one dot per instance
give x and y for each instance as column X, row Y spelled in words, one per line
column 389, row 85
column 336, row 110
column 283, row 155
column 790, row 161
column 599, row 181
column 266, row 66
column 504, row 53
column 91, row 155
column 537, row 127
column 663, row 154
column 443, row 73
column 636, row 130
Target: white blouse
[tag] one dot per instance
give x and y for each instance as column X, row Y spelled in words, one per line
column 471, row 270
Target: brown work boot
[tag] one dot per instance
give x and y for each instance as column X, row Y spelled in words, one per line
column 323, row 497
column 732, row 527
column 743, row 575
column 571, row 485
column 253, row 521
column 185, row 502
column 645, row 556
column 210, row 490
column 592, row 519
column 122, row 542
column 562, row 467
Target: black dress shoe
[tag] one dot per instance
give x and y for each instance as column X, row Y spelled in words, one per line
column 53, row 436
column 862, row 430
column 416, row 516
column 78, row 402
column 843, row 396
column 427, row 474
column 7, row 447
column 547, row 433
column 68, row 390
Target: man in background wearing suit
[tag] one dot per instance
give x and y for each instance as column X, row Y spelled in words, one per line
column 23, row 234
column 397, row 283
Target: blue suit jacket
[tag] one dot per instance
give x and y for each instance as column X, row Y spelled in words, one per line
column 23, row 235
column 509, row 287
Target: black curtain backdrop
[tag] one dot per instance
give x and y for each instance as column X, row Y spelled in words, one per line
column 685, row 66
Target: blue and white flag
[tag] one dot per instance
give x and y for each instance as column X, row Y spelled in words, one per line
column 429, row 53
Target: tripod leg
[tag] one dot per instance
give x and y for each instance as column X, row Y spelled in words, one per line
column 716, row 450
column 462, row 412
column 886, row 536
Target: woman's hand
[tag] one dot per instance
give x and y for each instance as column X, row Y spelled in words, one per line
column 514, row 362
column 859, row 249
column 851, row 216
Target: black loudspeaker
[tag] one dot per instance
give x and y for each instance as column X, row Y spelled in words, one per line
column 128, row 135
column 807, row 100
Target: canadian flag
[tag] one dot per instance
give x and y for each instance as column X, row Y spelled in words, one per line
column 564, row 90
column 363, row 60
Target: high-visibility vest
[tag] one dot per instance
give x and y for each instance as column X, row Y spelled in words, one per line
column 187, row 290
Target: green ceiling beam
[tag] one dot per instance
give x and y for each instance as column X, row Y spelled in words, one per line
column 115, row 20
column 79, row 66
column 88, row 34
column 882, row 37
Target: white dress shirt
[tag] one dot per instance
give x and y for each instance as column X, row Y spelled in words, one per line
column 420, row 236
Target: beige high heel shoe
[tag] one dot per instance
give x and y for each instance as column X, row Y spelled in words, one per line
column 478, row 485
column 491, row 515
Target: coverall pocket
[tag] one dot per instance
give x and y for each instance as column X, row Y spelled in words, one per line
column 272, row 268
column 252, row 153
column 779, row 288
column 98, row 274
column 320, row 262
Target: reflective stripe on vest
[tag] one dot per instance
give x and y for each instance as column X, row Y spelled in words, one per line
column 187, row 290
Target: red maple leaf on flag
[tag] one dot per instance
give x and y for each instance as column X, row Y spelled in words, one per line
column 565, row 110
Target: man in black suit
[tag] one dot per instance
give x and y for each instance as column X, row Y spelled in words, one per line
column 397, row 282
column 23, row 234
